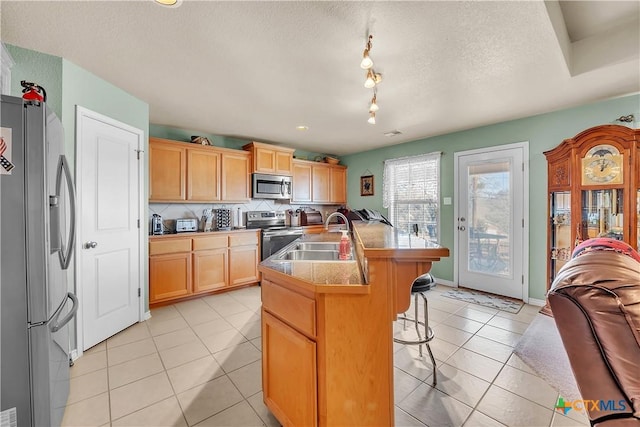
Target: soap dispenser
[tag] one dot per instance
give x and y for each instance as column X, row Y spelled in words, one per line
column 345, row 245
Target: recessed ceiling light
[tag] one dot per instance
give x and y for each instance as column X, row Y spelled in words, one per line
column 393, row 133
column 302, row 127
column 169, row 3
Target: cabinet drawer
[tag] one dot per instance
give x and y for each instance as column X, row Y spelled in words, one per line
column 243, row 239
column 210, row 242
column 295, row 309
column 169, row 246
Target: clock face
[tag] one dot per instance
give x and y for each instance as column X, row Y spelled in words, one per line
column 602, row 165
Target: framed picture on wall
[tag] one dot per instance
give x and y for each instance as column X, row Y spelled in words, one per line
column 366, row 185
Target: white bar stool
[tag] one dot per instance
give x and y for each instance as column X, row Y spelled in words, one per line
column 419, row 286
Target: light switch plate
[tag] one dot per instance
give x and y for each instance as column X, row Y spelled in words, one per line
column 446, row 200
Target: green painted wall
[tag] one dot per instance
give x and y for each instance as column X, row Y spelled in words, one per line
column 42, row 69
column 543, row 132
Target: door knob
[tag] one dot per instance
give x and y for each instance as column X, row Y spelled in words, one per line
column 462, row 228
column 90, row 245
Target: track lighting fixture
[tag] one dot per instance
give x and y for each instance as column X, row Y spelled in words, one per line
column 371, row 81
column 366, row 61
column 374, row 106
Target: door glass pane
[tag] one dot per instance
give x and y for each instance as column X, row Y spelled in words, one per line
column 560, row 231
column 602, row 214
column 489, row 218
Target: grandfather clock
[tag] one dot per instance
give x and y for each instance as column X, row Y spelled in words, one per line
column 593, row 191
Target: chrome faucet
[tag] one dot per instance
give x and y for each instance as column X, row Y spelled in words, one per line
column 346, row 221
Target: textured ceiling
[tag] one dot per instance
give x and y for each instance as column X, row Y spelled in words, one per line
column 256, row 70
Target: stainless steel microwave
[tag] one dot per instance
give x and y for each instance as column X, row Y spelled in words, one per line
column 271, row 186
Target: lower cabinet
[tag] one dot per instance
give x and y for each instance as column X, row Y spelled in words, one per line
column 181, row 267
column 170, row 275
column 289, row 383
column 210, row 270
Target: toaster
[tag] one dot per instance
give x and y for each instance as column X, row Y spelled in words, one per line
column 313, row 218
column 186, row 225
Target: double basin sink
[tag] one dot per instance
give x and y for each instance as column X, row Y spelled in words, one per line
column 312, row 251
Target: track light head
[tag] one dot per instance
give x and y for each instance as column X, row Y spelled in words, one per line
column 372, row 119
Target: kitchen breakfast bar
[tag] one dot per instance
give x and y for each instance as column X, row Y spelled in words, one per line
column 327, row 331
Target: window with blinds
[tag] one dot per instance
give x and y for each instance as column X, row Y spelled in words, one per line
column 411, row 193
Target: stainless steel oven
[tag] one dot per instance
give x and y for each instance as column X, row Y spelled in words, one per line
column 275, row 235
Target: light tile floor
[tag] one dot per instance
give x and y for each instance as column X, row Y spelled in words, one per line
column 199, row 363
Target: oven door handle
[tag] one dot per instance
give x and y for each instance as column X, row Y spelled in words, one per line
column 267, row 234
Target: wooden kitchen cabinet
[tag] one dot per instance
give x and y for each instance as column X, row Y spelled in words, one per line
column 203, row 172
column 244, row 256
column 338, row 185
column 289, row 383
column 180, row 267
column 319, row 183
column 182, row 172
column 170, row 275
column 270, row 159
column 210, row 270
column 302, row 179
column 167, row 170
column 236, row 176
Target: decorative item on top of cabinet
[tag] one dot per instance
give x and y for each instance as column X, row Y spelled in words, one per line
column 593, row 191
column 270, row 159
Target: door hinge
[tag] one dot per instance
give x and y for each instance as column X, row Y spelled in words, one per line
column 139, row 293
column 522, row 280
column 138, row 153
column 138, row 223
column 522, row 223
column 522, row 166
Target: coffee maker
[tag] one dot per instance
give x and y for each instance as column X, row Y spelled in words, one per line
column 156, row 225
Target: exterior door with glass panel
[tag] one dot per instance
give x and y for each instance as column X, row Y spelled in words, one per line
column 490, row 220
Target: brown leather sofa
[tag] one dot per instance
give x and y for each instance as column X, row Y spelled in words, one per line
column 595, row 301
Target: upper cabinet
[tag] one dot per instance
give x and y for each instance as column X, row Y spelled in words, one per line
column 167, row 170
column 270, row 159
column 183, row 172
column 319, row 183
column 593, row 191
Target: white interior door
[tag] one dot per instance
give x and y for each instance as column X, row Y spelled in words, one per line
column 491, row 220
column 109, row 234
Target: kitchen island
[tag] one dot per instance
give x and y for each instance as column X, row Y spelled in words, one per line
column 327, row 332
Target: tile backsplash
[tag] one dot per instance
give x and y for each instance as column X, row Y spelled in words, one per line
column 172, row 211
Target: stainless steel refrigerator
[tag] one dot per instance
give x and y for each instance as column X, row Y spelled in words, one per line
column 37, row 215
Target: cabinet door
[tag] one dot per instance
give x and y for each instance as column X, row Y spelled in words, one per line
column 203, row 170
column 264, row 160
column 338, row 185
column 301, row 182
column 167, row 171
column 284, row 162
column 243, row 265
column 209, row 270
column 235, row 177
column 289, row 375
column 321, row 180
column 169, row 276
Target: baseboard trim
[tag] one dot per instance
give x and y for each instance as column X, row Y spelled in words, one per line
column 147, row 315
column 445, row 282
column 74, row 355
column 535, row 301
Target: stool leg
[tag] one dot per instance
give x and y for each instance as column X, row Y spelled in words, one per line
column 417, row 324
column 426, row 331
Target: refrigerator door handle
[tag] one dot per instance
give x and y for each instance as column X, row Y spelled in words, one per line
column 55, row 327
column 63, row 167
